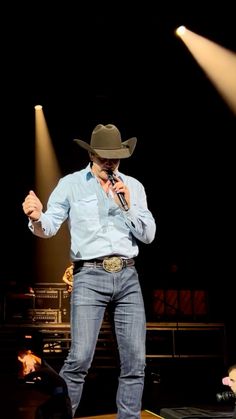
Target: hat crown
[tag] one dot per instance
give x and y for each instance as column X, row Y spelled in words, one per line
column 106, row 142
column 106, row 137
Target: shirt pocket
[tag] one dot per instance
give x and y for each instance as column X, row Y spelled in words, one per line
column 86, row 208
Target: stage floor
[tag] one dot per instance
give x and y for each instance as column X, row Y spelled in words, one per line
column 145, row 414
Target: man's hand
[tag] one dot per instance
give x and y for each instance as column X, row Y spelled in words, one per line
column 32, row 206
column 120, row 187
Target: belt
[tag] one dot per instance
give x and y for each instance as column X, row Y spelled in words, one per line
column 109, row 264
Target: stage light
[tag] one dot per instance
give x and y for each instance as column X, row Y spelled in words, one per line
column 218, row 63
column 47, row 174
column 180, row 31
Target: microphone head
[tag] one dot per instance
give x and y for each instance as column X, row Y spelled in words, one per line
column 109, row 172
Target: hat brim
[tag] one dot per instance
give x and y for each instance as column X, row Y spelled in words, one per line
column 124, row 152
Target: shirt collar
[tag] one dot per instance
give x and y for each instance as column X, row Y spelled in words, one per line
column 89, row 174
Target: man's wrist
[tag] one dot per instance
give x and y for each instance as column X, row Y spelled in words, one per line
column 33, row 220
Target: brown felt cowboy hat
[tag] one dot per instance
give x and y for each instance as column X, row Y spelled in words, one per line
column 106, row 143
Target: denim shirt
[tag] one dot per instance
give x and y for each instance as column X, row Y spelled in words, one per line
column 98, row 226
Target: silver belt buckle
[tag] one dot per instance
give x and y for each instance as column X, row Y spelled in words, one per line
column 112, row 264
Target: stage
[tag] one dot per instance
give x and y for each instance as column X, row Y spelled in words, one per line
column 145, row 414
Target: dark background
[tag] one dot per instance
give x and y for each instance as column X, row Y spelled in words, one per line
column 105, row 63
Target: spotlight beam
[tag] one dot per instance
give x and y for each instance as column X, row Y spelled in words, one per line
column 218, row 63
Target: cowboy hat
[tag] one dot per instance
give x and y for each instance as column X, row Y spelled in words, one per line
column 106, row 143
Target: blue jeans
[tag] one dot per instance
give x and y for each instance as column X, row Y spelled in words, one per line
column 93, row 289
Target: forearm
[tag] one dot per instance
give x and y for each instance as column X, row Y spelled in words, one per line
column 43, row 227
column 141, row 224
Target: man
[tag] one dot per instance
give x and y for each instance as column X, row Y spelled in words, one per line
column 44, row 387
column 231, row 379
column 107, row 215
column 68, row 277
column 231, row 382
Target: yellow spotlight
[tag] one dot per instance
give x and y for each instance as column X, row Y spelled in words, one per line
column 37, row 107
column 180, row 31
column 218, row 63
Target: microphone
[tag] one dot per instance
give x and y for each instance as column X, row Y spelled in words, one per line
column 119, row 194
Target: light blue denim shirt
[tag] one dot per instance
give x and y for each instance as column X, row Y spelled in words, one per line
column 98, row 226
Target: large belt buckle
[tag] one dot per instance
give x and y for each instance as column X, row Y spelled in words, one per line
column 112, row 264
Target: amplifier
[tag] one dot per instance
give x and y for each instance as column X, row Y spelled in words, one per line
column 16, row 306
column 65, row 306
column 53, row 296
column 47, row 298
column 44, row 316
